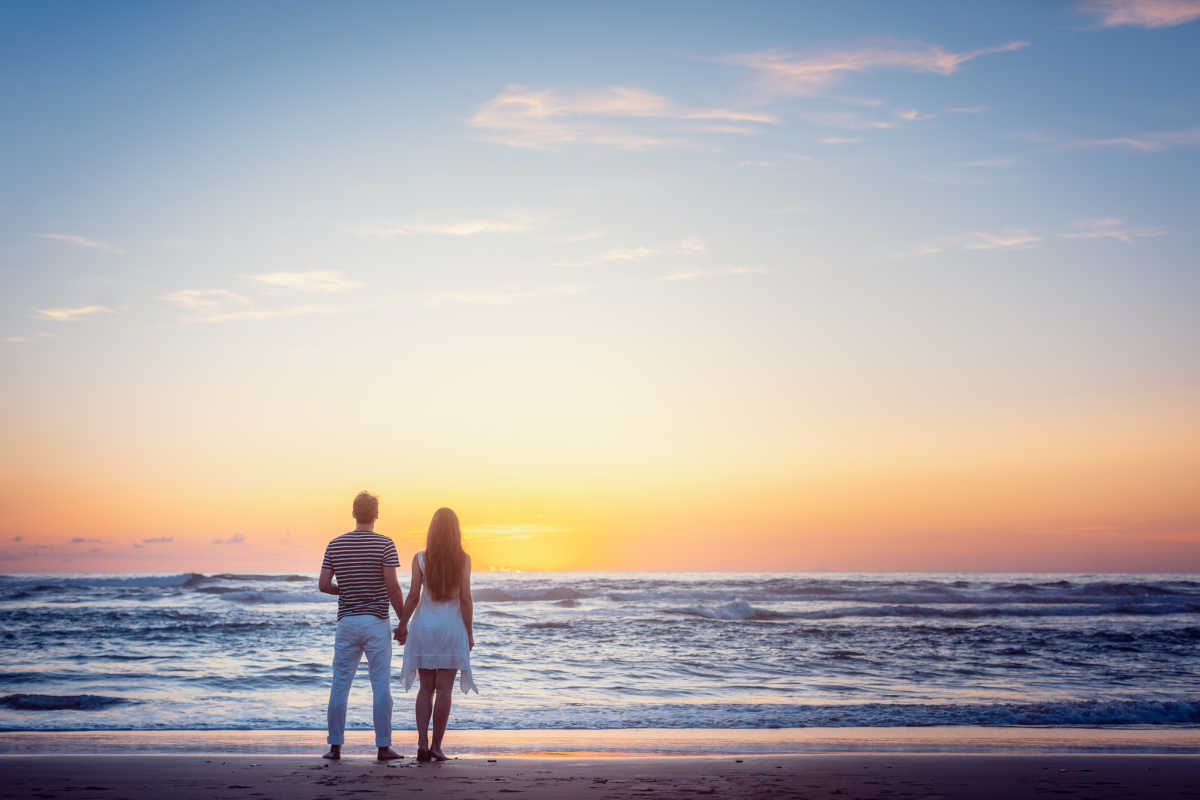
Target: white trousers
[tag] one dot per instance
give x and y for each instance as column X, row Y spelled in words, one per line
column 356, row 634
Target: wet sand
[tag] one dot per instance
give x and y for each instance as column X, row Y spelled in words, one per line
column 880, row 775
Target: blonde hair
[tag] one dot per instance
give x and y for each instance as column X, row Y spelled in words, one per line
column 444, row 555
column 366, row 507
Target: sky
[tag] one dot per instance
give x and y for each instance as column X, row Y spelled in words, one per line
column 689, row 286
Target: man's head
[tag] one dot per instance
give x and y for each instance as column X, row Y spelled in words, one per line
column 366, row 508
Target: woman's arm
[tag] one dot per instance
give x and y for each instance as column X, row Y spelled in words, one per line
column 414, row 593
column 466, row 603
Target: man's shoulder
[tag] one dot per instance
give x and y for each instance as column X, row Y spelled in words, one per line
column 361, row 537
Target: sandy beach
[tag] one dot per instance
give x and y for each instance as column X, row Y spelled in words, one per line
column 1003, row 777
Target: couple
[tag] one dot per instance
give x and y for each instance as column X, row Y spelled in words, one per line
column 438, row 644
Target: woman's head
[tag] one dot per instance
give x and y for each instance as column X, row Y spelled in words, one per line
column 444, row 556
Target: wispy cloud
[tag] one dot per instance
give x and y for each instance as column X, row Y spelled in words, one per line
column 236, row 538
column 504, row 296
column 512, row 531
column 618, row 254
column 203, row 299
column 1007, row 239
column 691, row 275
column 691, row 245
column 158, row 540
column 316, row 281
column 16, row 339
column 81, row 241
column 1142, row 13
column 788, row 73
column 466, row 227
column 1147, row 142
column 1113, row 228
column 756, row 163
column 254, row 314
column 542, row 118
column 842, row 139
column 82, row 540
column 989, row 162
column 1019, row 238
column 912, row 115
column 589, row 236
column 70, row 314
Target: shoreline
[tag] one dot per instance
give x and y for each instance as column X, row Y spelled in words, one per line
column 628, row 742
column 970, row 777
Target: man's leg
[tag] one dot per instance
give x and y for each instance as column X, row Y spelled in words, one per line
column 347, row 652
column 378, row 645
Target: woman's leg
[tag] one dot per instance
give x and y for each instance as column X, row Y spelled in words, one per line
column 425, row 706
column 441, row 708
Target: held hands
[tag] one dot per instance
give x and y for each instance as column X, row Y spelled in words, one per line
column 401, row 633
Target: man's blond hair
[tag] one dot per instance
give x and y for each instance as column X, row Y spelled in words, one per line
column 366, row 507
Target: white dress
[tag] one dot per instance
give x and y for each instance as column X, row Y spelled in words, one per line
column 437, row 638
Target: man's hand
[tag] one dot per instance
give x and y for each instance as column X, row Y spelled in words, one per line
column 401, row 633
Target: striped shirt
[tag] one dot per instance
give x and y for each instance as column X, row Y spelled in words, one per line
column 357, row 559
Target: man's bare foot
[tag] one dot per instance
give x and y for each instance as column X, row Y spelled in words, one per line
column 335, row 752
column 388, row 754
column 437, row 754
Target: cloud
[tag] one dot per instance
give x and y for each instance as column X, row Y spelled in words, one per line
column 683, row 276
column 317, row 281
column 155, row 540
column 504, row 296
column 1142, row 13
column 17, row 538
column 202, row 299
column 512, row 531
column 81, row 241
column 1112, row 228
column 543, row 118
column 69, row 314
column 618, row 254
column 842, row 139
column 691, row 245
column 82, row 540
column 912, row 115
column 268, row 313
column 1148, row 142
column 989, row 162
column 756, row 163
column 467, row 227
column 16, row 339
column 787, row 73
column 237, row 538
column 1010, row 238
column 582, row 237
column 1007, row 239
column 692, row 275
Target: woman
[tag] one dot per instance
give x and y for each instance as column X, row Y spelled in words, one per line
column 442, row 635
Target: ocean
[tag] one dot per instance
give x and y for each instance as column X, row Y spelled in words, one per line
column 620, row 650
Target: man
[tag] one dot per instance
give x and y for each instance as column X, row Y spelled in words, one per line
column 364, row 563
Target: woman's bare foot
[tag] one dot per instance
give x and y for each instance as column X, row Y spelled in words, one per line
column 437, row 754
column 388, row 754
column 335, row 752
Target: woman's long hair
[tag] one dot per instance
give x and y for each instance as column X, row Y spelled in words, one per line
column 444, row 555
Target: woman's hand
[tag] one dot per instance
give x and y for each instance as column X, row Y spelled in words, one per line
column 401, row 633
column 470, row 641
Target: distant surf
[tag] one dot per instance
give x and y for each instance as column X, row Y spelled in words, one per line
column 251, row 651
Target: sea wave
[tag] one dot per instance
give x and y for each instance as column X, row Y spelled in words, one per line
column 61, row 702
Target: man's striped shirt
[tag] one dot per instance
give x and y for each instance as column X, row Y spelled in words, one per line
column 357, row 559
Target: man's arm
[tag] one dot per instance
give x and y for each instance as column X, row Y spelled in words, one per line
column 394, row 590
column 326, row 584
